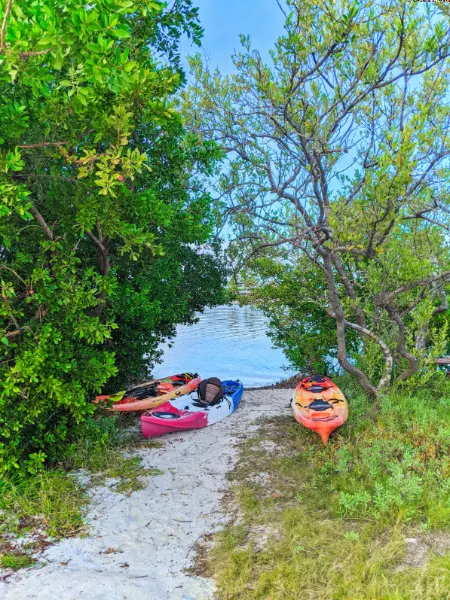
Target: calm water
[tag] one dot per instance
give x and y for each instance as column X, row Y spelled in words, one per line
column 228, row 342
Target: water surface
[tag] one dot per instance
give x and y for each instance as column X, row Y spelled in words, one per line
column 229, row 342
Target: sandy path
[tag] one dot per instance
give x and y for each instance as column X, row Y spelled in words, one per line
column 139, row 546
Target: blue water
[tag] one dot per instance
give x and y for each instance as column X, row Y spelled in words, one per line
column 228, row 342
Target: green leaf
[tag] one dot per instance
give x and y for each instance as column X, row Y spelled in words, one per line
column 59, row 59
column 81, row 97
column 120, row 33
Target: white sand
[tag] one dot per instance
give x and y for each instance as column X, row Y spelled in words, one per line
column 140, row 546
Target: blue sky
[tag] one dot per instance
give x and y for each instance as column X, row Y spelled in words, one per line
column 224, row 20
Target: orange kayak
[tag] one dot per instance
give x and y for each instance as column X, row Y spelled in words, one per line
column 318, row 404
column 151, row 394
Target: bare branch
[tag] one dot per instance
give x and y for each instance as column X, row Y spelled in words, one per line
column 413, row 363
column 337, row 313
column 383, row 298
column 48, row 232
column 282, row 9
column 350, row 289
column 3, row 29
column 102, row 246
column 389, row 361
column 14, row 273
column 9, row 335
column 25, row 55
column 43, row 145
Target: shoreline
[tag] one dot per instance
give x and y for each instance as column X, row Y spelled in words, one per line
column 289, row 383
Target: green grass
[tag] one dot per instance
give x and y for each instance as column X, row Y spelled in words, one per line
column 329, row 523
column 106, row 460
column 16, row 561
column 50, row 504
column 52, row 500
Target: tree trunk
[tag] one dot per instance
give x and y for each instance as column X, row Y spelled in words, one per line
column 413, row 363
column 339, row 316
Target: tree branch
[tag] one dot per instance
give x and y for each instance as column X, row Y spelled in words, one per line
column 102, row 250
column 405, row 288
column 337, row 313
column 3, row 29
column 350, row 289
column 389, row 361
column 13, row 334
column 48, row 232
column 413, row 363
column 43, row 145
column 24, row 55
column 421, row 336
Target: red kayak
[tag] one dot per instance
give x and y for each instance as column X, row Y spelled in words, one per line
column 318, row 404
column 152, row 394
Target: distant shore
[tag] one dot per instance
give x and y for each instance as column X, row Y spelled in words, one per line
column 284, row 384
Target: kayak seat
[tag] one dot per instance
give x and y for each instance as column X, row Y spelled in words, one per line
column 317, row 389
column 210, row 391
column 317, row 379
column 319, row 405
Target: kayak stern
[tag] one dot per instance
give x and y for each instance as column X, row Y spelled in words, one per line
column 323, row 427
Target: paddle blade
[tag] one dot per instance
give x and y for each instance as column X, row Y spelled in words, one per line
column 117, row 397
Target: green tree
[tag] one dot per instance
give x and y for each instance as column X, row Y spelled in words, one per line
column 338, row 151
column 104, row 220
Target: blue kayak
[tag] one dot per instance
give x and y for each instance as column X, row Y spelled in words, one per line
column 189, row 412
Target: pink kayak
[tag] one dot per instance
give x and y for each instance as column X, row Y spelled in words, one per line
column 190, row 412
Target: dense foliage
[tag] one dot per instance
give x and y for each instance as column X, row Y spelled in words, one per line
column 337, row 181
column 104, row 219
